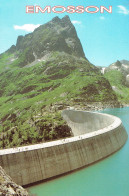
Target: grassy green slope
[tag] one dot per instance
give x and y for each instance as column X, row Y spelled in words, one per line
column 117, row 80
column 29, row 95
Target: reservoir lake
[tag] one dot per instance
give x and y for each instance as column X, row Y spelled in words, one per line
column 108, row 177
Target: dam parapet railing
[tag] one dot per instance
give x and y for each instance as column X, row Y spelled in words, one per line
column 96, row 137
column 117, row 122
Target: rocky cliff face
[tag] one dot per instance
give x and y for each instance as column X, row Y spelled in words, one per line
column 8, row 187
column 56, row 35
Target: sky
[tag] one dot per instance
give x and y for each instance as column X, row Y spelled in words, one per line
column 104, row 37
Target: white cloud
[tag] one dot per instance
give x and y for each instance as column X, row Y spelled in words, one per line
column 123, row 10
column 102, row 18
column 76, row 22
column 26, row 27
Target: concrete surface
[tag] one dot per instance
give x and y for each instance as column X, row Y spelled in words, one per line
column 96, row 137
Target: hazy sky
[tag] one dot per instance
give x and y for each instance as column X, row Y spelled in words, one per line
column 105, row 37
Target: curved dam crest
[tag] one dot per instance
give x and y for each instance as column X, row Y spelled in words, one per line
column 96, row 136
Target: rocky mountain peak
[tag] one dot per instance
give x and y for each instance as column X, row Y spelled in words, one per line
column 122, row 66
column 65, row 21
column 57, row 35
column 56, row 19
column 125, row 62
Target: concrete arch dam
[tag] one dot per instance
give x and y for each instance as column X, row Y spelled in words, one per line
column 96, row 136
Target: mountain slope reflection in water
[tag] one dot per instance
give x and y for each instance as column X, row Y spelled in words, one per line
column 109, row 177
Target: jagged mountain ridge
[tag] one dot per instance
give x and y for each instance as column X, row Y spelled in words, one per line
column 125, row 62
column 123, row 67
column 56, row 35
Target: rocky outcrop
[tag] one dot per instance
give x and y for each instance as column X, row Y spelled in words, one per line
column 8, row 187
column 87, row 106
column 127, row 80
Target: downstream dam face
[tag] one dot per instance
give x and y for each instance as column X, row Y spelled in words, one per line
column 96, row 136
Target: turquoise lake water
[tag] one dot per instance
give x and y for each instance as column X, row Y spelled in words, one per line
column 109, row 177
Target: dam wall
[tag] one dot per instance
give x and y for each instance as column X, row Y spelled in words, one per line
column 97, row 136
column 82, row 122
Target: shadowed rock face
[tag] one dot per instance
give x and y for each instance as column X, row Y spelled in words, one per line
column 56, row 35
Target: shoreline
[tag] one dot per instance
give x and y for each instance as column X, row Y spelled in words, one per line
column 96, row 106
